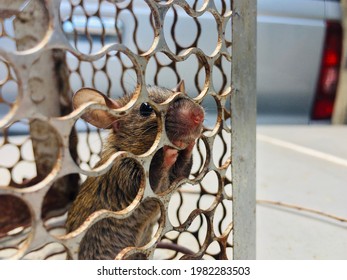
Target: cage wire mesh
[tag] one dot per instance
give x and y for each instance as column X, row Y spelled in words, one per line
column 51, row 49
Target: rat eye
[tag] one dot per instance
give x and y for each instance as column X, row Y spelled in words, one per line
column 145, row 110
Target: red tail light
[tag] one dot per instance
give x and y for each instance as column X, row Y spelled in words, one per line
column 329, row 73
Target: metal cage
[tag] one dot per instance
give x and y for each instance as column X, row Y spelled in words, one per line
column 50, row 49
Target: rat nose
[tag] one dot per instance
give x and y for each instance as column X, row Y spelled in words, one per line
column 197, row 115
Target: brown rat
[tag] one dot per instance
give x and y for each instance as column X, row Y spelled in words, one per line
column 117, row 188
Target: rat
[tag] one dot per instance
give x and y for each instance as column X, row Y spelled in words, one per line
column 134, row 132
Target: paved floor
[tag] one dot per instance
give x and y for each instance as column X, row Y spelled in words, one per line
column 307, row 167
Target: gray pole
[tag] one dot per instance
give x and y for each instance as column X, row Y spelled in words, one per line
column 243, row 108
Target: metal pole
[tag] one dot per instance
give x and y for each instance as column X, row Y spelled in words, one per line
column 243, row 108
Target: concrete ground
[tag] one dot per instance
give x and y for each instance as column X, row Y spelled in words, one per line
column 304, row 166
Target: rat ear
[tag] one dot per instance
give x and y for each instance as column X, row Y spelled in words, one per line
column 180, row 87
column 98, row 118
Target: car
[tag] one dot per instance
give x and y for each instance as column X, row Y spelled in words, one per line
column 299, row 48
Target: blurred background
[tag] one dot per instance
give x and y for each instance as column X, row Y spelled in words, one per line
column 301, row 151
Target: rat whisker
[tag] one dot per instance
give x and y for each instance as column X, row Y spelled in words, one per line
column 149, row 128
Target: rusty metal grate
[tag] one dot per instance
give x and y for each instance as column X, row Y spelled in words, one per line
column 54, row 48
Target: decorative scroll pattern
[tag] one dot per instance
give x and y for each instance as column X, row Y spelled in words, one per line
column 115, row 47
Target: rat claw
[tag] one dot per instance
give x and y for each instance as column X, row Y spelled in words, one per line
column 187, row 152
column 170, row 156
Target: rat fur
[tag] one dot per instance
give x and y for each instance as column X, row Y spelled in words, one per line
column 117, row 188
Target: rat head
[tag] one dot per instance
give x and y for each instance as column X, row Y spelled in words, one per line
column 136, row 131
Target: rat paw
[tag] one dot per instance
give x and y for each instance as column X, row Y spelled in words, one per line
column 187, row 152
column 170, row 156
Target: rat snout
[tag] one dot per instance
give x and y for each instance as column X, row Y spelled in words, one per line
column 184, row 121
column 197, row 115
column 186, row 113
column 192, row 116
